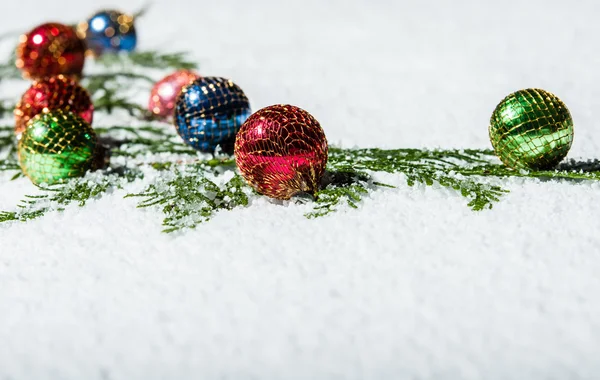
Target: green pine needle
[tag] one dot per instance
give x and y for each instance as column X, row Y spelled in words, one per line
column 77, row 191
column 148, row 59
column 190, row 198
column 142, row 140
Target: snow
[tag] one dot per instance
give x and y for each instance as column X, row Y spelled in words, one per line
column 413, row 285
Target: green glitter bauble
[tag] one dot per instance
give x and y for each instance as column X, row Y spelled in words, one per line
column 55, row 146
column 531, row 129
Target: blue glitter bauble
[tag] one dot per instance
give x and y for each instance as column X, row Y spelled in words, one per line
column 209, row 112
column 108, row 32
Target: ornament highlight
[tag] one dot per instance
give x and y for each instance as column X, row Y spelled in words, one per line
column 209, row 112
column 108, row 31
column 50, row 49
column 164, row 93
column 531, row 129
column 55, row 146
column 57, row 92
column 281, row 151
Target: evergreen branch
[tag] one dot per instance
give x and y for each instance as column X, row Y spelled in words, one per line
column 341, row 187
column 8, row 149
column 6, row 108
column 76, row 191
column 9, row 164
column 134, row 141
column 329, row 199
column 148, row 59
column 448, row 168
column 8, row 70
column 109, row 101
column 117, row 81
column 7, row 137
column 189, row 198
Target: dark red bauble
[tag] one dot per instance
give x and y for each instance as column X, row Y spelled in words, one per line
column 281, row 151
column 164, row 92
column 50, row 49
column 58, row 92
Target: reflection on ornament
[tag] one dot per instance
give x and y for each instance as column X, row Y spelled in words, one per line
column 58, row 92
column 281, row 151
column 50, row 49
column 209, row 112
column 164, row 93
column 55, row 146
column 531, row 129
column 108, row 31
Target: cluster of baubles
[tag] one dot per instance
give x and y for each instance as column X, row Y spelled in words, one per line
column 280, row 150
column 53, row 118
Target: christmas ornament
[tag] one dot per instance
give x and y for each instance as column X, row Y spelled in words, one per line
column 58, row 92
column 209, row 112
column 108, row 31
column 531, row 129
column 165, row 92
column 55, row 146
column 281, row 151
column 50, row 49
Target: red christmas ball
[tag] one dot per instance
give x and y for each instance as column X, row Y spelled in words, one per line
column 50, row 49
column 164, row 93
column 281, row 151
column 58, row 92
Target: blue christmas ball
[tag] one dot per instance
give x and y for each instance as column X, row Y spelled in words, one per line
column 108, row 32
column 209, row 112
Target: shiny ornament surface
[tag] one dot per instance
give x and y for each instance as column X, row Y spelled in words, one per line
column 50, row 49
column 55, row 146
column 58, row 92
column 531, row 129
column 108, row 31
column 209, row 112
column 281, row 151
column 164, row 93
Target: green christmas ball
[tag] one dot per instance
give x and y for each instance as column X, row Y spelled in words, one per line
column 55, row 146
column 531, row 129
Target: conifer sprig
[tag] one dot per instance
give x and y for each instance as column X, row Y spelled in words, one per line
column 148, row 59
column 131, row 142
column 77, row 191
column 188, row 197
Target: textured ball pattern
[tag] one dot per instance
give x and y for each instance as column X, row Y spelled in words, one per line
column 58, row 92
column 55, row 146
column 531, row 129
column 108, row 31
column 164, row 93
column 50, row 49
column 209, row 112
column 281, row 151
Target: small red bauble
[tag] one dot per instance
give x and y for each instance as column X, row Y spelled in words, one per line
column 281, row 151
column 58, row 92
column 50, row 49
column 164, row 93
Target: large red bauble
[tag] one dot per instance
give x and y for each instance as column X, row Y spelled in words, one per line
column 58, row 92
column 281, row 151
column 164, row 92
column 50, row 49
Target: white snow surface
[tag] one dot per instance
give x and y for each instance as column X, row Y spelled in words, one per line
column 412, row 285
